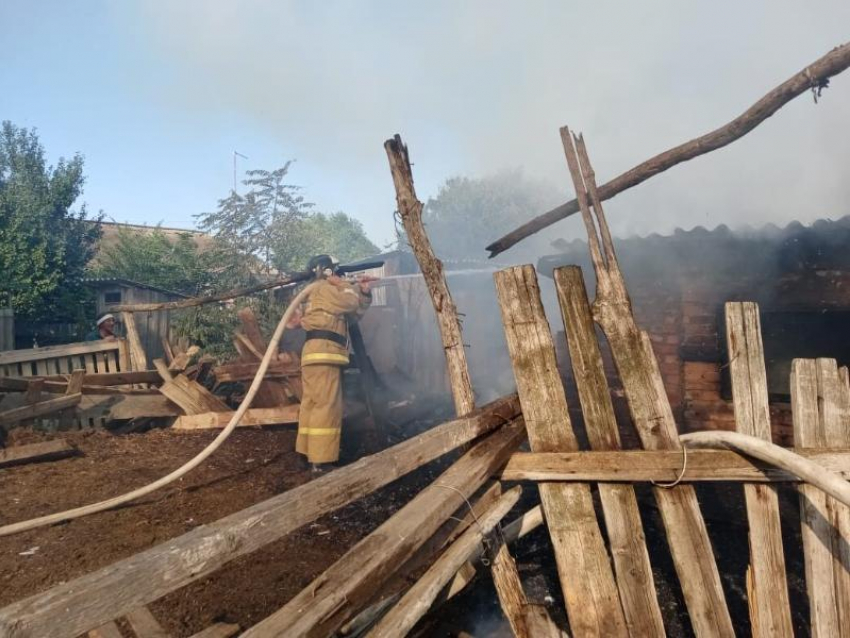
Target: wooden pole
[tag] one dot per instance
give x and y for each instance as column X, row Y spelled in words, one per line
column 345, row 587
column 505, row 575
column 200, row 301
column 649, row 406
column 419, row 598
column 410, row 210
column 69, row 609
column 770, row 608
column 137, row 351
column 813, row 77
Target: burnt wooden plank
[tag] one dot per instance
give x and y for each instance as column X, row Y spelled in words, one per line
column 770, row 608
column 342, row 590
column 814, row 507
column 584, row 569
column 619, row 503
column 639, row 373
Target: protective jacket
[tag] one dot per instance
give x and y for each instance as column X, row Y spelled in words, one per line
column 325, row 322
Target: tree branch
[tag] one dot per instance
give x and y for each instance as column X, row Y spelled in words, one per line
column 814, row 77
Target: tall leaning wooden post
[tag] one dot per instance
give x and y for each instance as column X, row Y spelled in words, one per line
column 410, row 210
column 505, row 575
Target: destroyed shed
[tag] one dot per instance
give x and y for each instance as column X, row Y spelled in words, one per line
column 799, row 275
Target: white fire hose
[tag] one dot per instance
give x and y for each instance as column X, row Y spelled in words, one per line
column 115, row 501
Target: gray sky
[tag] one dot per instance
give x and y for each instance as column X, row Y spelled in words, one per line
column 473, row 87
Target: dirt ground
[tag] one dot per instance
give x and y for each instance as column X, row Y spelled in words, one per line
column 256, row 464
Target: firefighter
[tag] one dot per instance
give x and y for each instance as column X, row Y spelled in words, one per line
column 331, row 305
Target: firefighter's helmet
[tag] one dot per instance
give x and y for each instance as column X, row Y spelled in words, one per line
column 322, row 266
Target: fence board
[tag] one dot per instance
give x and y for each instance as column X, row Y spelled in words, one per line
column 619, row 503
column 590, row 591
column 770, row 609
column 810, row 385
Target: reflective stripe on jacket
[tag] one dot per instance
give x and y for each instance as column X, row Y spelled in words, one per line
column 326, row 310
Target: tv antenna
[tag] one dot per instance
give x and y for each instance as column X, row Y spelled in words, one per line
column 235, row 155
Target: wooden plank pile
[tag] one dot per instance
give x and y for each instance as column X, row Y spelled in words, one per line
column 113, row 383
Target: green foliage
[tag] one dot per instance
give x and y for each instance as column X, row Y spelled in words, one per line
column 336, row 234
column 467, row 213
column 155, row 258
column 251, row 225
column 44, row 246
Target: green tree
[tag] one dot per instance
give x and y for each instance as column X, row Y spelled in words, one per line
column 468, row 213
column 336, row 234
column 251, row 225
column 44, row 245
column 153, row 257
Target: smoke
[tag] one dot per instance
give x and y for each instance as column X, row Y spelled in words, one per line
column 479, row 86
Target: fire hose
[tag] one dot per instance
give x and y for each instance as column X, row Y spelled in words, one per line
column 187, row 467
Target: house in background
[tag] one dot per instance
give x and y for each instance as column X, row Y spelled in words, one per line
column 153, row 326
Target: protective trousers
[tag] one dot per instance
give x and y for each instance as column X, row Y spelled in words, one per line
column 320, row 416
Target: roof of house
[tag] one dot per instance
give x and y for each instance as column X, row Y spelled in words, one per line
column 110, row 232
column 822, row 245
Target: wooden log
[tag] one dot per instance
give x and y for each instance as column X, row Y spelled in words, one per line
column 145, row 625
column 166, row 348
column 506, row 578
column 619, row 503
column 649, row 406
column 419, row 598
column 194, row 302
column 150, row 377
column 815, row 75
column 42, row 408
column 514, row 530
column 815, row 406
column 590, row 591
column 137, row 350
column 410, row 211
column 662, row 466
column 770, row 608
column 248, row 345
column 35, row 452
column 218, row 630
column 68, row 609
column 241, row 371
column 344, row 589
column 284, row 415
